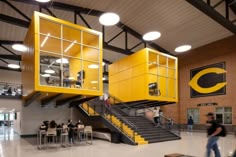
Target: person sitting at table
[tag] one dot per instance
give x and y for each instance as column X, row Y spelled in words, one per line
column 71, row 133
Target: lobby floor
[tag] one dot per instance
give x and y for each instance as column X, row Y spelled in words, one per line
column 191, row 144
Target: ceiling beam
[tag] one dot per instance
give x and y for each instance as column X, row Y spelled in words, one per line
column 31, row 98
column 10, row 42
column 93, row 12
column 14, row 21
column 211, row 12
column 11, row 57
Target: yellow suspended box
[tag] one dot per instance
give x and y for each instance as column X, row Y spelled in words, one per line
column 62, row 57
column 145, row 75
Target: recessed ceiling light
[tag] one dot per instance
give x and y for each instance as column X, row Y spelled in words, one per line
column 45, row 75
column 93, row 82
column 13, row 66
column 109, row 19
column 19, row 47
column 49, row 71
column 63, row 61
column 183, row 48
column 93, row 66
column 151, row 36
column 43, row 1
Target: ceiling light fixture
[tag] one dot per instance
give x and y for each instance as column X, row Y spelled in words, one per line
column 149, row 36
column 103, row 78
column 94, row 82
column 103, row 63
column 43, row 1
column 13, row 66
column 45, row 39
column 109, row 19
column 70, row 46
column 183, row 48
column 63, row 61
column 19, row 47
column 45, row 75
column 49, row 71
column 93, row 66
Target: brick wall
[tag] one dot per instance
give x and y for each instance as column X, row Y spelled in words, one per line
column 223, row 50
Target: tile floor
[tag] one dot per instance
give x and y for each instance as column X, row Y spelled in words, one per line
column 192, row 144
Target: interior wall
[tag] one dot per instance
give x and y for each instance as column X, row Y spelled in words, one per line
column 10, row 76
column 17, row 123
column 219, row 51
column 33, row 116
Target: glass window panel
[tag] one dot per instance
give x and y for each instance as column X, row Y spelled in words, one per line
column 171, row 73
column 219, row 109
column 50, row 44
column 162, row 82
column 171, row 63
column 73, row 74
column 152, row 58
column 162, row 60
column 91, row 39
column 90, row 54
column 194, row 113
column 227, row 118
column 71, row 49
column 171, row 88
column 91, row 79
column 12, row 116
column 1, row 116
column 228, row 109
column 71, row 34
column 153, row 85
column 46, row 28
column 50, row 69
column 219, row 117
column 162, row 71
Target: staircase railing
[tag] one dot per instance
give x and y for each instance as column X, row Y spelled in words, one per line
column 165, row 122
column 100, row 108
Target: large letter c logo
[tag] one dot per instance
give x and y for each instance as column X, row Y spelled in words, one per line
column 194, row 82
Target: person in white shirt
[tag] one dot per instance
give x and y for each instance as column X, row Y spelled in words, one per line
column 156, row 116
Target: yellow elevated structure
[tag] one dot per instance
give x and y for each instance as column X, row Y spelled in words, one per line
column 145, row 75
column 62, row 57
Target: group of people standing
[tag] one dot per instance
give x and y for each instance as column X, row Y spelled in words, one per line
column 71, row 128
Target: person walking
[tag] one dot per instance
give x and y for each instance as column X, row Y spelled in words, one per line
column 156, row 117
column 107, row 105
column 190, row 124
column 71, row 133
column 213, row 131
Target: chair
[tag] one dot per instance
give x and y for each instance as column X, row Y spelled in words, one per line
column 51, row 134
column 80, row 131
column 88, row 130
column 64, row 134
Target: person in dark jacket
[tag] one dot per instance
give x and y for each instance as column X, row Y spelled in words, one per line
column 213, row 131
column 190, row 124
column 71, row 133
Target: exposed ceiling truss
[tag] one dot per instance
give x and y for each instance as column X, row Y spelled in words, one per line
column 210, row 10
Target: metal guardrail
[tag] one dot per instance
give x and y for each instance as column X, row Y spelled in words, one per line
column 10, row 89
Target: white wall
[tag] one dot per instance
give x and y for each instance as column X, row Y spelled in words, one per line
column 10, row 76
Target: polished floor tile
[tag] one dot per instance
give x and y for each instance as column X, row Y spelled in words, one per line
column 191, row 144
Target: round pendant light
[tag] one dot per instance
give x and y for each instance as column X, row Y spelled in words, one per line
column 63, row 61
column 13, row 66
column 19, row 47
column 183, row 48
column 109, row 19
column 45, row 75
column 151, row 36
column 93, row 66
column 49, row 71
column 43, row 1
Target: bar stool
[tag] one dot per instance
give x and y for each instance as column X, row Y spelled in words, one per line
column 88, row 131
column 64, row 135
column 51, row 133
column 80, row 131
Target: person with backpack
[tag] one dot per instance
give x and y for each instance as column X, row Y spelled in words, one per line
column 214, row 130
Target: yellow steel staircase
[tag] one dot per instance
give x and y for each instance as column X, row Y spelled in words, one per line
column 123, row 127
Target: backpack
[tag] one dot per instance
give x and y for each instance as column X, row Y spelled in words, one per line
column 223, row 132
